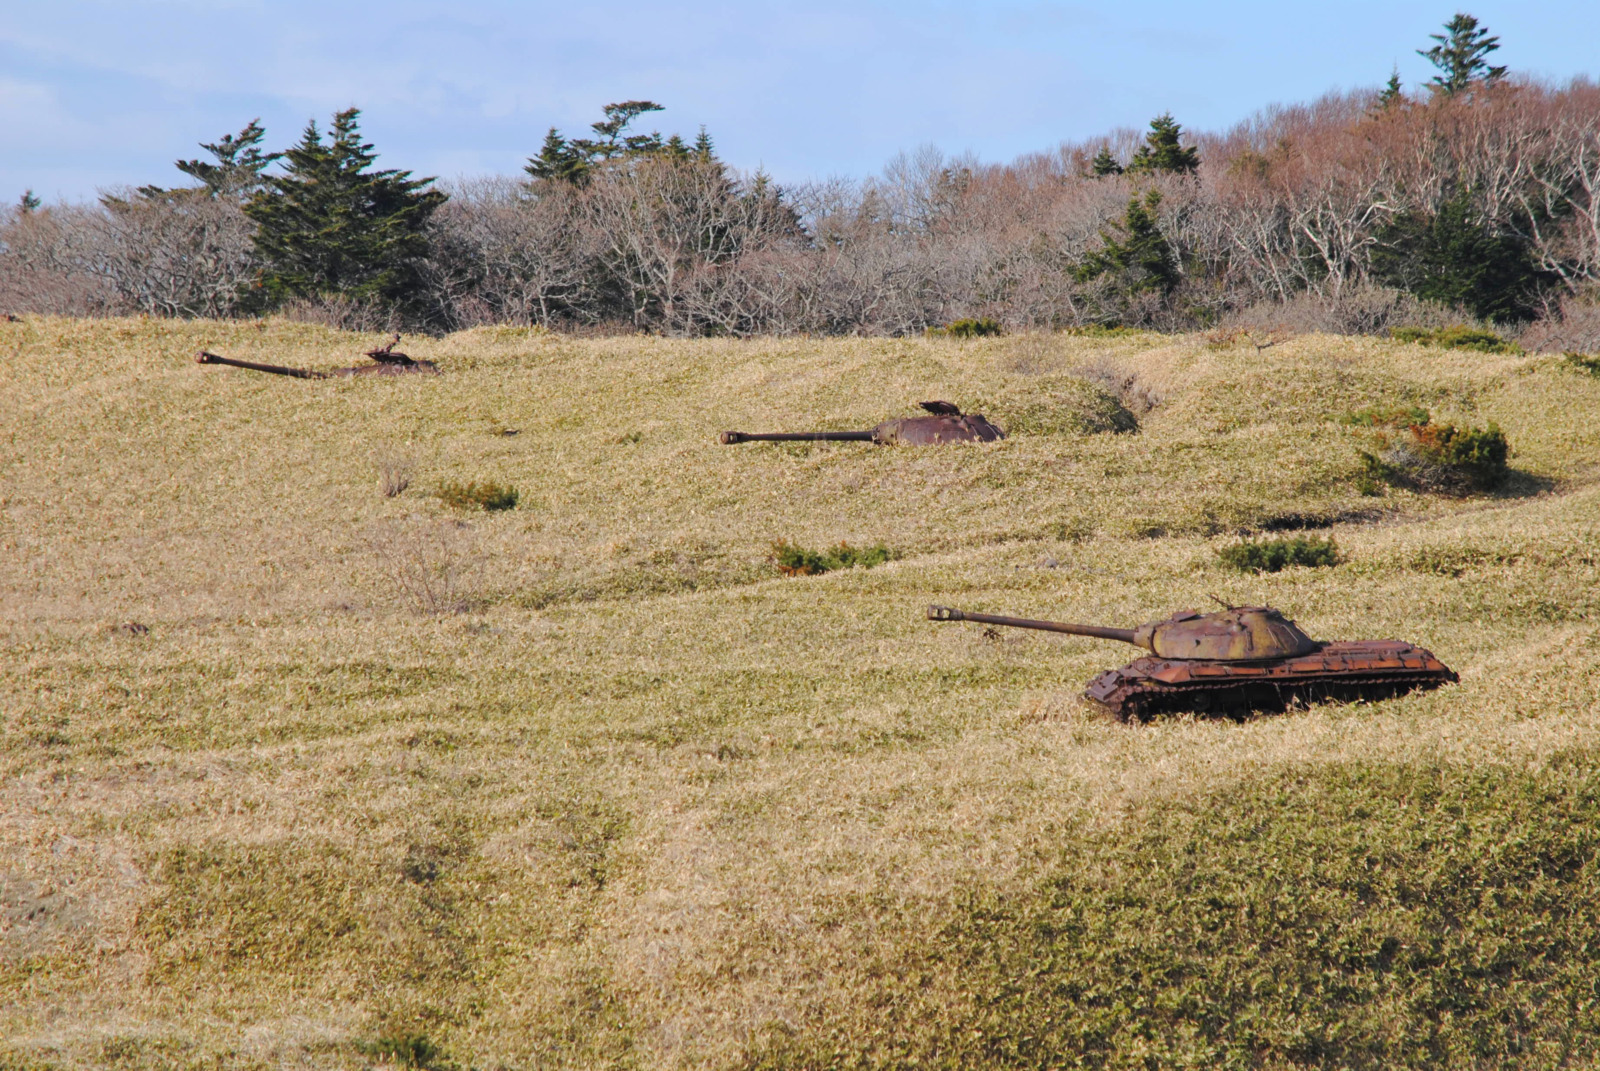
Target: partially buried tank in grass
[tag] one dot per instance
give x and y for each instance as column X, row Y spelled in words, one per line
column 388, row 362
column 946, row 424
column 1237, row 660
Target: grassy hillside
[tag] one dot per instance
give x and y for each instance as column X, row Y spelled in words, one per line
column 296, row 774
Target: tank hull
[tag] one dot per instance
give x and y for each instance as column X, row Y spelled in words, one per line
column 1368, row 669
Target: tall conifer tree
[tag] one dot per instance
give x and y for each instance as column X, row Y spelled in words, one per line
column 1162, row 151
column 1459, row 55
column 329, row 225
column 1104, row 163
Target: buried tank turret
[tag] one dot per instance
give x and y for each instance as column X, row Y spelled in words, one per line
column 387, row 362
column 946, row 424
column 1236, row 660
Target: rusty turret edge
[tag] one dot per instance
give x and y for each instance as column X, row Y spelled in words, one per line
column 947, row 424
column 1233, row 661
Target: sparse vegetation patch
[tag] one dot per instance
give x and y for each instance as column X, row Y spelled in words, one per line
column 1386, row 416
column 1476, row 339
column 1274, row 555
column 488, row 495
column 1587, row 363
column 795, row 560
column 979, row 327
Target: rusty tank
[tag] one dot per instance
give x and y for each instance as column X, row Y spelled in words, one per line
column 945, row 424
column 1236, row 660
column 387, row 361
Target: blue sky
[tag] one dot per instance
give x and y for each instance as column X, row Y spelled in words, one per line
column 97, row 94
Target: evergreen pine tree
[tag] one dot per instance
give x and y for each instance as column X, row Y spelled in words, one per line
column 29, row 203
column 239, row 170
column 1458, row 258
column 1142, row 255
column 1162, row 152
column 610, row 141
column 1459, row 55
column 1391, row 93
column 328, row 225
column 1104, row 163
column 574, row 160
column 704, row 152
column 558, row 161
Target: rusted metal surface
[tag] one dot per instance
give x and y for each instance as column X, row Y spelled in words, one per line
column 387, row 362
column 947, row 425
column 1236, row 660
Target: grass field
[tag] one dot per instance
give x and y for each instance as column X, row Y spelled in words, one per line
column 297, row 774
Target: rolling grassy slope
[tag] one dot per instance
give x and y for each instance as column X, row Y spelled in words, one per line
column 295, row 774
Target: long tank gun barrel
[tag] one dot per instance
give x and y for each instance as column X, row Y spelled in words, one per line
column 731, row 437
column 946, row 613
column 205, row 357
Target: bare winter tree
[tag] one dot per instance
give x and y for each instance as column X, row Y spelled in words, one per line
column 504, row 254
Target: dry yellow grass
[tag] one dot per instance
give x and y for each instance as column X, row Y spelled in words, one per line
column 634, row 798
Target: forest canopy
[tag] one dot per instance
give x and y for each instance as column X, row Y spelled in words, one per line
column 1471, row 197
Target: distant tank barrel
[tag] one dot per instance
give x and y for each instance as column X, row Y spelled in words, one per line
column 386, row 363
column 947, row 424
column 731, row 437
column 946, row 613
column 206, row 357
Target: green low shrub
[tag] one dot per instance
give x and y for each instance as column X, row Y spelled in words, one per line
column 1437, row 457
column 795, row 560
column 1273, row 555
column 406, row 1050
column 1456, row 338
column 1583, row 362
column 1386, row 416
column 1478, row 454
column 972, row 327
column 488, row 495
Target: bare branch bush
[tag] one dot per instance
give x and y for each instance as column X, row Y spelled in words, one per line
column 344, row 313
column 181, row 254
column 504, row 254
column 395, row 471
column 433, row 567
column 41, row 264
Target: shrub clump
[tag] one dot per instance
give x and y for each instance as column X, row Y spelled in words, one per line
column 1429, row 456
column 488, row 495
column 1456, row 338
column 794, row 560
column 1583, row 362
column 1274, row 555
column 971, row 327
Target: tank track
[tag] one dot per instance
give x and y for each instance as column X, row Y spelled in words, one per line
column 1134, row 701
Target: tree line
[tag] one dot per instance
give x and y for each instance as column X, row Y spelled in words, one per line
column 1473, row 196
